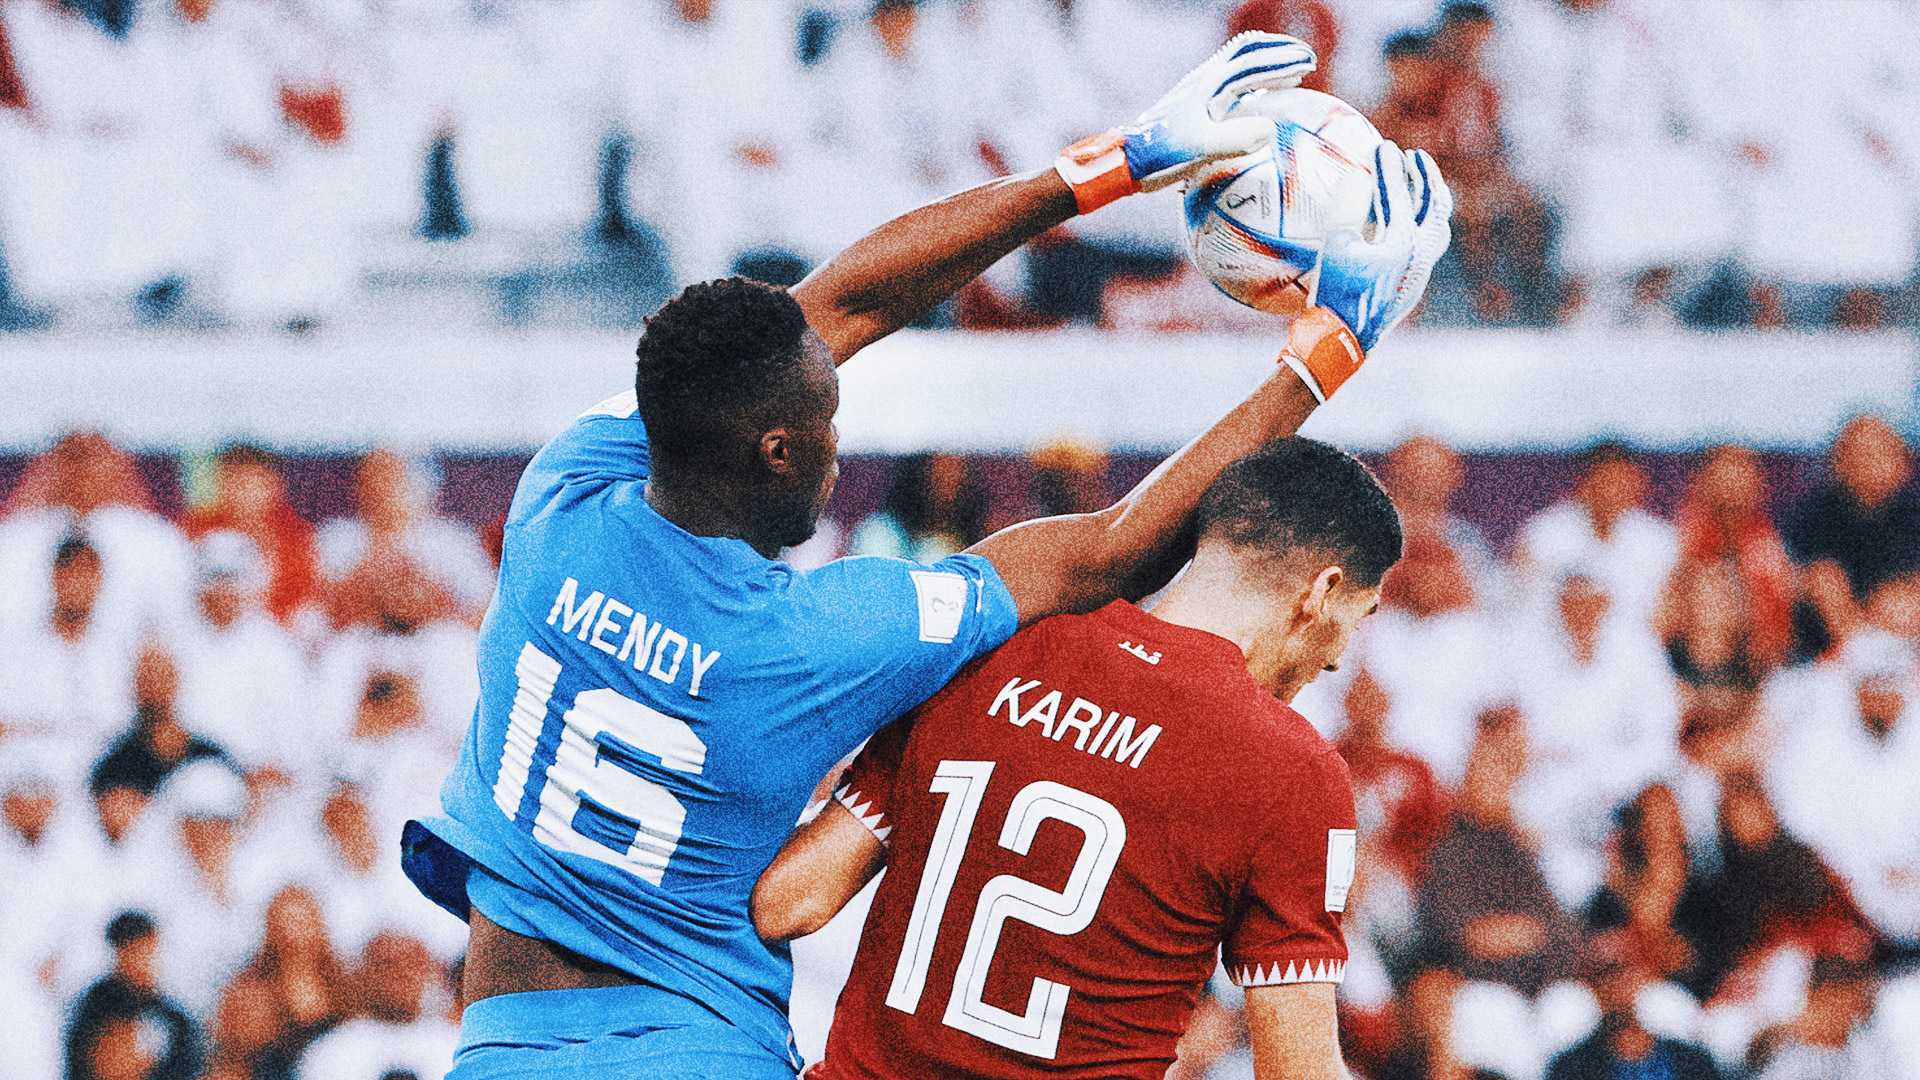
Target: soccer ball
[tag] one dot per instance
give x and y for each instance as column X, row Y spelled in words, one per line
column 1317, row 175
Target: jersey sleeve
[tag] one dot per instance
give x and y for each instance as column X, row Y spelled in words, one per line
column 899, row 630
column 1302, row 863
column 866, row 788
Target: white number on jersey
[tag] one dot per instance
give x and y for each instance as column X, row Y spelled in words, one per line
column 1035, row 1031
column 583, row 774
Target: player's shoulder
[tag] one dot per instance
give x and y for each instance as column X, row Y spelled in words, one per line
column 607, row 443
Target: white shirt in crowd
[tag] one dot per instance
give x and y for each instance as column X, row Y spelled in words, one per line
column 245, row 688
column 446, row 551
column 146, row 567
column 1441, row 673
column 1852, row 797
column 367, row 1049
column 1597, row 734
column 1631, row 565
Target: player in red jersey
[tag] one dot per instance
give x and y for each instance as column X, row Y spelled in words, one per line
column 1076, row 823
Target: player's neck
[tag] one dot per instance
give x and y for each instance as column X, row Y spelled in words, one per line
column 1221, row 608
column 707, row 506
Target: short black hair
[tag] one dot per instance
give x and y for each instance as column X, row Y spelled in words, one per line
column 1606, row 452
column 240, row 455
column 1406, row 43
column 721, row 355
column 1465, row 11
column 1298, row 493
column 72, row 548
column 129, row 926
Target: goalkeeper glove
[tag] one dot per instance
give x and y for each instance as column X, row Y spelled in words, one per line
column 1185, row 129
column 1364, row 288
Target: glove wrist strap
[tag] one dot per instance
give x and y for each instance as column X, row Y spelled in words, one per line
column 1096, row 169
column 1322, row 351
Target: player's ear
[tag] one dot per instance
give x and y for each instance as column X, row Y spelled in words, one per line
column 776, row 450
column 1325, row 584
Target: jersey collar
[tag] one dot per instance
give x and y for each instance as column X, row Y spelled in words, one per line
column 1142, row 628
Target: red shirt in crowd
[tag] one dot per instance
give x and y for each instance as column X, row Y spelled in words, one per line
column 1074, row 825
column 1309, row 20
column 1401, row 806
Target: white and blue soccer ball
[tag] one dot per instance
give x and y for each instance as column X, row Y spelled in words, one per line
column 1255, row 222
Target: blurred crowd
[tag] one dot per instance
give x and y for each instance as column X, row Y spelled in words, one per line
column 1635, row 792
column 211, row 730
column 213, row 163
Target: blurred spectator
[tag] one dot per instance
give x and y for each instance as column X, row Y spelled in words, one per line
column 1602, row 721
column 1862, row 528
column 85, row 485
column 250, row 497
column 293, row 991
column 933, row 510
column 1767, row 888
column 124, row 1026
column 1826, row 1041
column 243, row 680
column 1309, row 20
column 1726, row 612
column 1604, row 531
column 1849, row 136
column 48, row 868
column 1437, row 659
column 280, row 134
column 144, row 756
column 895, row 110
column 1493, row 935
column 1600, row 95
column 1622, row 1046
column 68, row 675
column 1842, row 778
column 1069, row 477
column 395, row 536
column 1485, row 908
column 395, row 1026
column 101, row 199
column 1402, row 809
column 13, row 94
column 1647, row 876
column 361, row 888
column 712, row 116
column 395, row 698
column 1440, row 99
column 1424, row 474
column 204, row 874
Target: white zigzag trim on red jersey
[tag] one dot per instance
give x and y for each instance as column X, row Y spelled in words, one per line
column 862, row 807
column 1324, row 971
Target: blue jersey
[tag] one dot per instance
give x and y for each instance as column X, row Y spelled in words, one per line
column 655, row 709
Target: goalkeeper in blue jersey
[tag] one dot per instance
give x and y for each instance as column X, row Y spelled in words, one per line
column 659, row 696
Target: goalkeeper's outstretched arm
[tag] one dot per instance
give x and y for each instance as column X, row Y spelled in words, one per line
column 905, row 268
column 902, row 270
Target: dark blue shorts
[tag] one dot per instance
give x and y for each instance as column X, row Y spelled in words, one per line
column 624, row 1032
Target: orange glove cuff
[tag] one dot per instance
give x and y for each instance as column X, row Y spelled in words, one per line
column 1096, row 169
column 1322, row 351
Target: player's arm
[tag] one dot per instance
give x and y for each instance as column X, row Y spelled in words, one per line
column 1294, row 1033
column 901, row 270
column 823, row 865
column 1364, row 288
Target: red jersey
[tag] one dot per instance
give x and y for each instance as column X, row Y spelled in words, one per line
column 1074, row 825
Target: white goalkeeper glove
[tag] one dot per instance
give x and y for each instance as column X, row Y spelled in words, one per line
column 1365, row 287
column 1184, row 130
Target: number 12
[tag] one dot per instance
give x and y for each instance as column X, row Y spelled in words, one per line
column 1068, row 911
